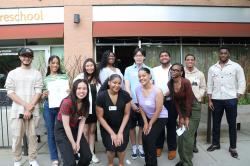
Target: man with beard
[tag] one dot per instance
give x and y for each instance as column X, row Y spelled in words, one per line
column 162, row 76
column 226, row 83
column 24, row 87
column 198, row 83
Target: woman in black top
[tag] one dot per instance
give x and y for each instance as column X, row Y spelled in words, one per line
column 113, row 109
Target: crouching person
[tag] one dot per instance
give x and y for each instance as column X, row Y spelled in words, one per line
column 70, row 123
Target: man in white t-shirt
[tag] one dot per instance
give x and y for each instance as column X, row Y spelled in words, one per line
column 162, row 76
column 24, row 87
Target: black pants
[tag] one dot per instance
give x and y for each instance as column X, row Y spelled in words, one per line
column 171, row 128
column 66, row 150
column 150, row 140
column 230, row 107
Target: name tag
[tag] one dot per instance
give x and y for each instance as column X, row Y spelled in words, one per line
column 148, row 102
column 112, row 108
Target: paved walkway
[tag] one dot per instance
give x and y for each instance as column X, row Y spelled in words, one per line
column 203, row 158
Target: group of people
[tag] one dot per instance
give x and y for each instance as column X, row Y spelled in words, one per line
column 167, row 96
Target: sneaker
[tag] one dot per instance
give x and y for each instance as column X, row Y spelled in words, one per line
column 34, row 163
column 77, row 156
column 55, row 163
column 18, row 163
column 95, row 159
column 134, row 155
column 142, row 154
column 233, row 153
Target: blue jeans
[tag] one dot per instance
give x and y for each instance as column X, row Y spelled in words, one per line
column 50, row 115
column 230, row 107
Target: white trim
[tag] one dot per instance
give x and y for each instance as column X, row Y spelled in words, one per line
column 171, row 13
column 31, row 15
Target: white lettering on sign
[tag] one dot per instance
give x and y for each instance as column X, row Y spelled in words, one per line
column 31, row 15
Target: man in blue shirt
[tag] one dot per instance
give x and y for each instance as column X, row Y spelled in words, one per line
column 131, row 83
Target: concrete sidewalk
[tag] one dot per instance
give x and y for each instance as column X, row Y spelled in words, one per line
column 203, row 158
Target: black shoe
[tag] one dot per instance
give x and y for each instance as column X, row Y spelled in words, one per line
column 77, row 157
column 213, row 147
column 38, row 138
column 180, row 163
column 233, row 153
column 195, row 149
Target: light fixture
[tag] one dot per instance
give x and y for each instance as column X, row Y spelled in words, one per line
column 76, row 18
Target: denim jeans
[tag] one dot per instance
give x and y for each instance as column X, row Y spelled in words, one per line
column 50, row 115
column 230, row 107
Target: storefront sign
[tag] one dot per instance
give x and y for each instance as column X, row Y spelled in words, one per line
column 31, row 15
column 171, row 13
column 9, row 51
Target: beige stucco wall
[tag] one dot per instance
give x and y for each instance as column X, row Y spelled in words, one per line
column 77, row 37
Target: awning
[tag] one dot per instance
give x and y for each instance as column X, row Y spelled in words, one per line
column 31, row 31
column 192, row 29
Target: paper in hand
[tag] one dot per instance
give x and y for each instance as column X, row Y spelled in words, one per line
column 57, row 91
column 181, row 130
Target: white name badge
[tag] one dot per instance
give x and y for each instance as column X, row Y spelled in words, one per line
column 112, row 108
column 148, row 102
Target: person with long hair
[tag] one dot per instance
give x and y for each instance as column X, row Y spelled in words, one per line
column 91, row 74
column 113, row 109
column 154, row 114
column 54, row 73
column 70, row 123
column 107, row 67
column 184, row 102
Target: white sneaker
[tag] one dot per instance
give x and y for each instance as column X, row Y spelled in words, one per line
column 34, row 163
column 55, row 163
column 95, row 159
column 18, row 163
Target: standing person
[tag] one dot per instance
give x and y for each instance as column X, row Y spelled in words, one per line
column 50, row 114
column 107, row 66
column 184, row 101
column 91, row 74
column 226, row 83
column 70, row 123
column 198, row 82
column 154, row 114
column 24, row 86
column 162, row 76
column 131, row 83
column 113, row 109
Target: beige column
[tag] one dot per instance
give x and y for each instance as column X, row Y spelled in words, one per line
column 78, row 42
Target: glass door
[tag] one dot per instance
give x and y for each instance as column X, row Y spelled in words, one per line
column 41, row 56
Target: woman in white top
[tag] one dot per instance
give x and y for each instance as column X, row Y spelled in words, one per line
column 107, row 67
column 90, row 73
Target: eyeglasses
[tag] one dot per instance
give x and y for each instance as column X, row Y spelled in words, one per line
column 175, row 70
